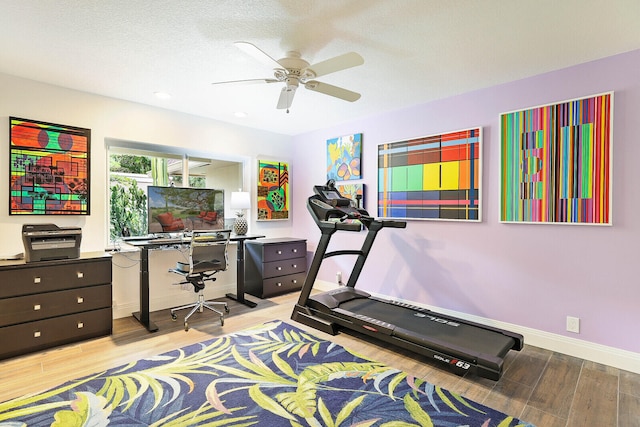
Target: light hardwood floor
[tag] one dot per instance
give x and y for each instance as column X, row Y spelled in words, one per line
column 542, row 387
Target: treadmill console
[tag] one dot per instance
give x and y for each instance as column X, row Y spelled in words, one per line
column 327, row 205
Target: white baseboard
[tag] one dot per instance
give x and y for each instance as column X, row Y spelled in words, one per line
column 611, row 356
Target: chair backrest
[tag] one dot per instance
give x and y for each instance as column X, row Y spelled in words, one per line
column 208, row 251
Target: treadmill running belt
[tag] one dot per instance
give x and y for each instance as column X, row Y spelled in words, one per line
column 464, row 336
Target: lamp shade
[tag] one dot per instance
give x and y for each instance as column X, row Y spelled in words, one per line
column 240, row 200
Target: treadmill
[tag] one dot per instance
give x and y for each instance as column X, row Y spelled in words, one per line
column 462, row 345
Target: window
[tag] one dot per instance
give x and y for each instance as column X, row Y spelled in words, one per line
column 135, row 166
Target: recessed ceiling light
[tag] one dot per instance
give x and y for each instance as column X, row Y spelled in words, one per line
column 162, row 95
column 240, row 114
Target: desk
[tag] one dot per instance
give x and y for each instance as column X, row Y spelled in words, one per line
column 143, row 315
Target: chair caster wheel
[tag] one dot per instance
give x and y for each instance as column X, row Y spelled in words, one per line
column 226, row 309
column 174, row 317
column 221, row 321
column 186, row 327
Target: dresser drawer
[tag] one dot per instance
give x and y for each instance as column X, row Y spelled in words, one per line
column 282, row 284
column 33, row 278
column 41, row 334
column 284, row 267
column 274, row 252
column 52, row 304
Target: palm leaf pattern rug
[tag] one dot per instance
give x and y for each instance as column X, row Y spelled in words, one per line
column 271, row 375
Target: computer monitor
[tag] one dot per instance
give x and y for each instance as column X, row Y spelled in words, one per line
column 180, row 209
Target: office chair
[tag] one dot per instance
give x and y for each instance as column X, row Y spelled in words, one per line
column 207, row 256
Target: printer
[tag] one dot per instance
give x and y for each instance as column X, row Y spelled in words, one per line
column 43, row 242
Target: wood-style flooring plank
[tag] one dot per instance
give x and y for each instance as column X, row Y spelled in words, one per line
column 509, row 397
column 528, row 366
column 630, row 383
column 596, row 399
column 556, row 388
column 628, row 410
column 541, row 419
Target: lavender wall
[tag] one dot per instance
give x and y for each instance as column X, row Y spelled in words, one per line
column 528, row 275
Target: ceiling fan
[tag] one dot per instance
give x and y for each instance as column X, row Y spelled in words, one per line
column 292, row 70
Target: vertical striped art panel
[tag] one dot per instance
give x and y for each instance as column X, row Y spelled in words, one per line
column 556, row 163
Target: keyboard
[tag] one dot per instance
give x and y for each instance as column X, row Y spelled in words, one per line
column 162, row 240
column 138, row 238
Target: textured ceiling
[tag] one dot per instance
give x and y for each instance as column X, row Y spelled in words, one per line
column 415, row 51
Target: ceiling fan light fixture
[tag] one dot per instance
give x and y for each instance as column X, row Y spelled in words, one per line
column 280, row 74
column 292, row 83
column 307, row 74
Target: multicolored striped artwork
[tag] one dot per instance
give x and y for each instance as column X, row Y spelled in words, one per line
column 49, row 168
column 273, row 190
column 343, row 157
column 555, row 164
column 432, row 177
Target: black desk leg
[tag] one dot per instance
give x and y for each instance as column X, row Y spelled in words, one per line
column 240, row 278
column 143, row 315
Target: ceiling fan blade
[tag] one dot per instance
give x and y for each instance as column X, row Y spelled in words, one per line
column 247, row 81
column 331, row 65
column 258, row 54
column 332, row 90
column 286, row 97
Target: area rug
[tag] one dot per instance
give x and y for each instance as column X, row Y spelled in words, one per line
column 271, row 375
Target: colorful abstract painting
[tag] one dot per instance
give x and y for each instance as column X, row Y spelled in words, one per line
column 354, row 192
column 555, row 164
column 344, row 155
column 49, row 170
column 273, row 190
column 432, row 177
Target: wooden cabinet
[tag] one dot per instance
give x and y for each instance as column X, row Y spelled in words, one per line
column 50, row 303
column 275, row 266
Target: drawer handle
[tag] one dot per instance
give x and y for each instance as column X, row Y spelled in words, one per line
column 278, row 268
column 279, row 252
column 80, row 300
column 80, row 325
column 36, row 334
column 279, row 283
column 37, row 280
column 294, row 251
column 36, row 307
column 80, row 274
column 295, row 265
column 295, row 281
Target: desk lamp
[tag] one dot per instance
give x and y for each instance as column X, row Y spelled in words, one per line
column 240, row 200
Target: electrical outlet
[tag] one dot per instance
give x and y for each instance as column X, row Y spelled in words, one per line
column 573, row 324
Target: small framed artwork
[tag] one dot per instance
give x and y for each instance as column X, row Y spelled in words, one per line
column 344, row 155
column 435, row 177
column 555, row 163
column 273, row 190
column 354, row 192
column 49, row 168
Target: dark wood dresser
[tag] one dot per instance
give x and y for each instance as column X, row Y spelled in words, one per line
column 50, row 303
column 275, row 266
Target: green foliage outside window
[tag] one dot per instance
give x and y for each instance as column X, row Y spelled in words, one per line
column 129, row 163
column 128, row 207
